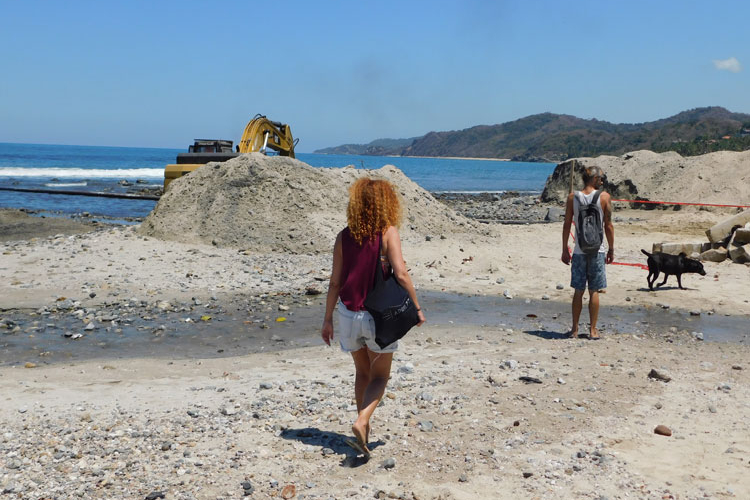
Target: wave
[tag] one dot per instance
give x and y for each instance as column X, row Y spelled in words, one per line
column 65, row 184
column 83, row 173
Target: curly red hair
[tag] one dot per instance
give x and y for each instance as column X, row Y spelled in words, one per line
column 373, row 207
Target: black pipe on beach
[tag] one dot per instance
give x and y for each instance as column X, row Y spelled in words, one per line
column 81, row 193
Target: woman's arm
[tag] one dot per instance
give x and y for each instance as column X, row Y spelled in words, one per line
column 392, row 244
column 334, row 286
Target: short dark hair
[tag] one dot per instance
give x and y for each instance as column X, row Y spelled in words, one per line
column 589, row 173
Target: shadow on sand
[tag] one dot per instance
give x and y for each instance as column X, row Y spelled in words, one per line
column 547, row 334
column 333, row 441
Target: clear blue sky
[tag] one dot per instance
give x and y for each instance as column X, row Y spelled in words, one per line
column 161, row 73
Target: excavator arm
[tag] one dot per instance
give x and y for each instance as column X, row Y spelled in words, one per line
column 261, row 133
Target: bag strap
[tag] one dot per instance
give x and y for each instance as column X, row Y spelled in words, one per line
column 378, row 265
column 596, row 197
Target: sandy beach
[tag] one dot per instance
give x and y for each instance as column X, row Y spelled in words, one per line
column 480, row 405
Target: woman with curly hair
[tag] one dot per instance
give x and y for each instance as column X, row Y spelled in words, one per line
column 373, row 214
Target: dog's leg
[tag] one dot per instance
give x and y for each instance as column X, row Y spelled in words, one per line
column 679, row 281
column 651, row 278
column 662, row 283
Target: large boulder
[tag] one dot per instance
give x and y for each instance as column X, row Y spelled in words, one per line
column 716, row 178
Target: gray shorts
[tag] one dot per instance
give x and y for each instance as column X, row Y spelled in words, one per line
column 357, row 330
column 588, row 268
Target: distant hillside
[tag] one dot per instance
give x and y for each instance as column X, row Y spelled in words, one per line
column 378, row 147
column 552, row 137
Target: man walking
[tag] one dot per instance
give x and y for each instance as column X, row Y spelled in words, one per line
column 588, row 264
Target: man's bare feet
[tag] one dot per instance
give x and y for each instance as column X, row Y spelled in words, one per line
column 594, row 334
column 573, row 334
column 360, row 432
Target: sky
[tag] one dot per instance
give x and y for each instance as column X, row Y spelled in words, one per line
column 162, row 73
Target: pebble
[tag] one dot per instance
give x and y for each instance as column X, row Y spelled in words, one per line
column 266, row 385
column 507, row 294
column 712, row 408
column 527, row 475
column 406, row 368
column 388, row 463
column 659, row 375
column 560, row 286
column 663, row 430
column 426, row 426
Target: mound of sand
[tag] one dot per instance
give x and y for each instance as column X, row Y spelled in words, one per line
column 262, row 203
column 722, row 177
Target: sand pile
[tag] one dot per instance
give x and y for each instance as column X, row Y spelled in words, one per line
column 722, row 177
column 263, row 203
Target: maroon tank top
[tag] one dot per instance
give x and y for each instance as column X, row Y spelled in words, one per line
column 358, row 269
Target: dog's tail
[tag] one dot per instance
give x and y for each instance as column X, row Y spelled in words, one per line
column 645, row 253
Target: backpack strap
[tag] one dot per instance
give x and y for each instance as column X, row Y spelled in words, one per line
column 596, row 197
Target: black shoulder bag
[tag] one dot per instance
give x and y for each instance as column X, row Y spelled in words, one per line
column 390, row 306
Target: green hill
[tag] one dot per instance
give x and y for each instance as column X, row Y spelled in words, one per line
column 552, row 137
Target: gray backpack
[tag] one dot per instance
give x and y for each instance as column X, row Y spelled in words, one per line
column 589, row 226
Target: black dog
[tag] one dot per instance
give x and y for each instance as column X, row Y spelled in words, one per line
column 670, row 264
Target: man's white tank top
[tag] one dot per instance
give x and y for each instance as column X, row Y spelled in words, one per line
column 586, row 199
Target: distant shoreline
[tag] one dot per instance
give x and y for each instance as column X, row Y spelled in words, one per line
column 427, row 157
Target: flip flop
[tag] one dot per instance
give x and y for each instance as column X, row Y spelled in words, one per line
column 356, row 445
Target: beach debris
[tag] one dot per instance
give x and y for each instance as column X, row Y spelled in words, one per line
column 288, row 491
column 659, row 375
column 662, row 430
column 29, row 364
column 280, row 319
column 529, row 380
column 527, row 475
column 205, row 318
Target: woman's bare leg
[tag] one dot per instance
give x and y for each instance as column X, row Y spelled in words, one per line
column 379, row 372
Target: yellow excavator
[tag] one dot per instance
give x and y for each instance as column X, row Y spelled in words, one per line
column 260, row 134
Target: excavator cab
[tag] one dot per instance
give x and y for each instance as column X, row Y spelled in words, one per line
column 260, row 134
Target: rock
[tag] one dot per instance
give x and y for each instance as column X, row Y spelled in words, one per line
column 247, row 487
column 527, row 475
column 554, row 214
column 714, row 255
column 155, row 494
column 560, row 286
column 500, row 281
column 724, row 387
column 721, row 230
column 663, row 430
column 426, row 426
column 697, row 335
column 740, row 255
column 406, row 368
column 511, row 364
column 463, row 478
column 712, row 408
column 561, row 381
column 529, row 380
column 507, row 294
column 495, row 379
column 659, row 375
column 736, row 367
column 313, row 290
column 388, row 463
column 545, row 297
column 282, row 307
column 266, row 385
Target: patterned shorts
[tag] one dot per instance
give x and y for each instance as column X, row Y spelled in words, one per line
column 588, row 268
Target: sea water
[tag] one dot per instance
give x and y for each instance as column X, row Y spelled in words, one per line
column 121, row 170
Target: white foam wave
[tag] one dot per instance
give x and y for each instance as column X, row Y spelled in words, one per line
column 83, row 173
column 65, row 184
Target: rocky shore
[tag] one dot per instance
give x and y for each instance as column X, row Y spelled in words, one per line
column 187, row 366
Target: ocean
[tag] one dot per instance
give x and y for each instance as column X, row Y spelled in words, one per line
column 141, row 171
